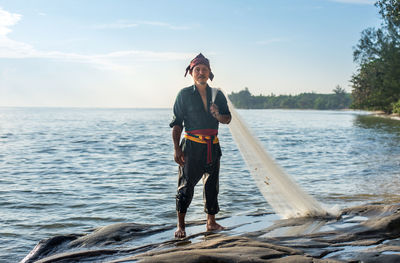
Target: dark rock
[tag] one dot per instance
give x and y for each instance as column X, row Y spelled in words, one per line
column 226, row 249
column 48, row 246
column 369, row 233
column 112, row 234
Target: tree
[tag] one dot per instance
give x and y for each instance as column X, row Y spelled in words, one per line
column 338, row 90
column 242, row 99
column 342, row 99
column 338, row 100
column 376, row 85
column 396, row 107
column 390, row 12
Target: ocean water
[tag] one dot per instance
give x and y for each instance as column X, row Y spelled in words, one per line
column 69, row 170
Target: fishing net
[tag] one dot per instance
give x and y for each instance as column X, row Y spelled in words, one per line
column 283, row 194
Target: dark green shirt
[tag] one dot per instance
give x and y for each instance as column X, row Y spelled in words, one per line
column 189, row 110
column 189, row 113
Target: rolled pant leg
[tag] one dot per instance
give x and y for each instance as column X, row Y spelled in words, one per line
column 211, row 188
column 189, row 176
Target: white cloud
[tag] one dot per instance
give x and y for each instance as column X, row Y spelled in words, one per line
column 14, row 49
column 9, row 47
column 117, row 60
column 270, row 41
column 7, row 20
column 364, row 2
column 147, row 55
column 117, row 25
column 162, row 24
column 126, row 24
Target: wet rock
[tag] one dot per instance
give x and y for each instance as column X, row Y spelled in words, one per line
column 57, row 248
column 376, row 258
column 48, row 246
column 112, row 234
column 226, row 249
column 78, row 256
column 369, row 233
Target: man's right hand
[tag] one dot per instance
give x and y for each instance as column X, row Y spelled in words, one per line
column 179, row 157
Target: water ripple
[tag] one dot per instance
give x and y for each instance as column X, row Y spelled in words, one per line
column 70, row 170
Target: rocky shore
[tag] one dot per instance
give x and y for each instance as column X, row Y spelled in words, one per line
column 368, row 233
column 393, row 116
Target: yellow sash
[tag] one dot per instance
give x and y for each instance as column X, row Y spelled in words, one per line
column 201, row 138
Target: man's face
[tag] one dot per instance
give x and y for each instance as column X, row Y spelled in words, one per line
column 200, row 74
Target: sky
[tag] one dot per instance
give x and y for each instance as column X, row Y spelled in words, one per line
column 133, row 53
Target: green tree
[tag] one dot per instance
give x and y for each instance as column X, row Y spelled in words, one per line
column 396, row 107
column 376, row 85
column 338, row 90
column 320, row 104
column 338, row 100
column 242, row 99
column 341, row 99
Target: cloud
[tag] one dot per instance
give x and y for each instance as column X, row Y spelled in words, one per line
column 117, row 25
column 363, row 2
column 162, row 24
column 7, row 19
column 270, row 41
column 117, row 60
column 14, row 49
column 126, row 24
column 9, row 47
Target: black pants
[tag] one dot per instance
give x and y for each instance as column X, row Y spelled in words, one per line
column 189, row 176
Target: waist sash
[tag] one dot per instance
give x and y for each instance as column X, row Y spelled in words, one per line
column 206, row 136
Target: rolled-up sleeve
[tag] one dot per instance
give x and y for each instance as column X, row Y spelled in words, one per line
column 177, row 119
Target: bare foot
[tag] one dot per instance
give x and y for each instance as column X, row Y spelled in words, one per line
column 214, row 226
column 180, row 232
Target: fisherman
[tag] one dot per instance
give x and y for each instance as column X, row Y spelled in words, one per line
column 199, row 152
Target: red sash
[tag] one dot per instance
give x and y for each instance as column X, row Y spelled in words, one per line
column 208, row 136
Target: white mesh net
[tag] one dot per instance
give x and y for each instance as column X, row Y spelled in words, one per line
column 283, row 194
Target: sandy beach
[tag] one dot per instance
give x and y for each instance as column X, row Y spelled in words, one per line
column 393, row 116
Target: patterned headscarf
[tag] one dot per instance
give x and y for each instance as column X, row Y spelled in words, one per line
column 199, row 59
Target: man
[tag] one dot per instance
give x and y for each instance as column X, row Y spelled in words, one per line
column 199, row 153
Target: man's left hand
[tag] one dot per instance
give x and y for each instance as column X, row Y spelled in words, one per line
column 214, row 110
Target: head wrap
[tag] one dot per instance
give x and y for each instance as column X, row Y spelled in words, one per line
column 199, row 59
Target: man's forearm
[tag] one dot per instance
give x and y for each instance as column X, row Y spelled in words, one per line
column 224, row 118
column 176, row 135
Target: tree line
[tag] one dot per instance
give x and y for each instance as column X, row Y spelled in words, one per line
column 376, row 84
column 338, row 100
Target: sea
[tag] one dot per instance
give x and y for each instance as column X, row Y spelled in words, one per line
column 71, row 170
